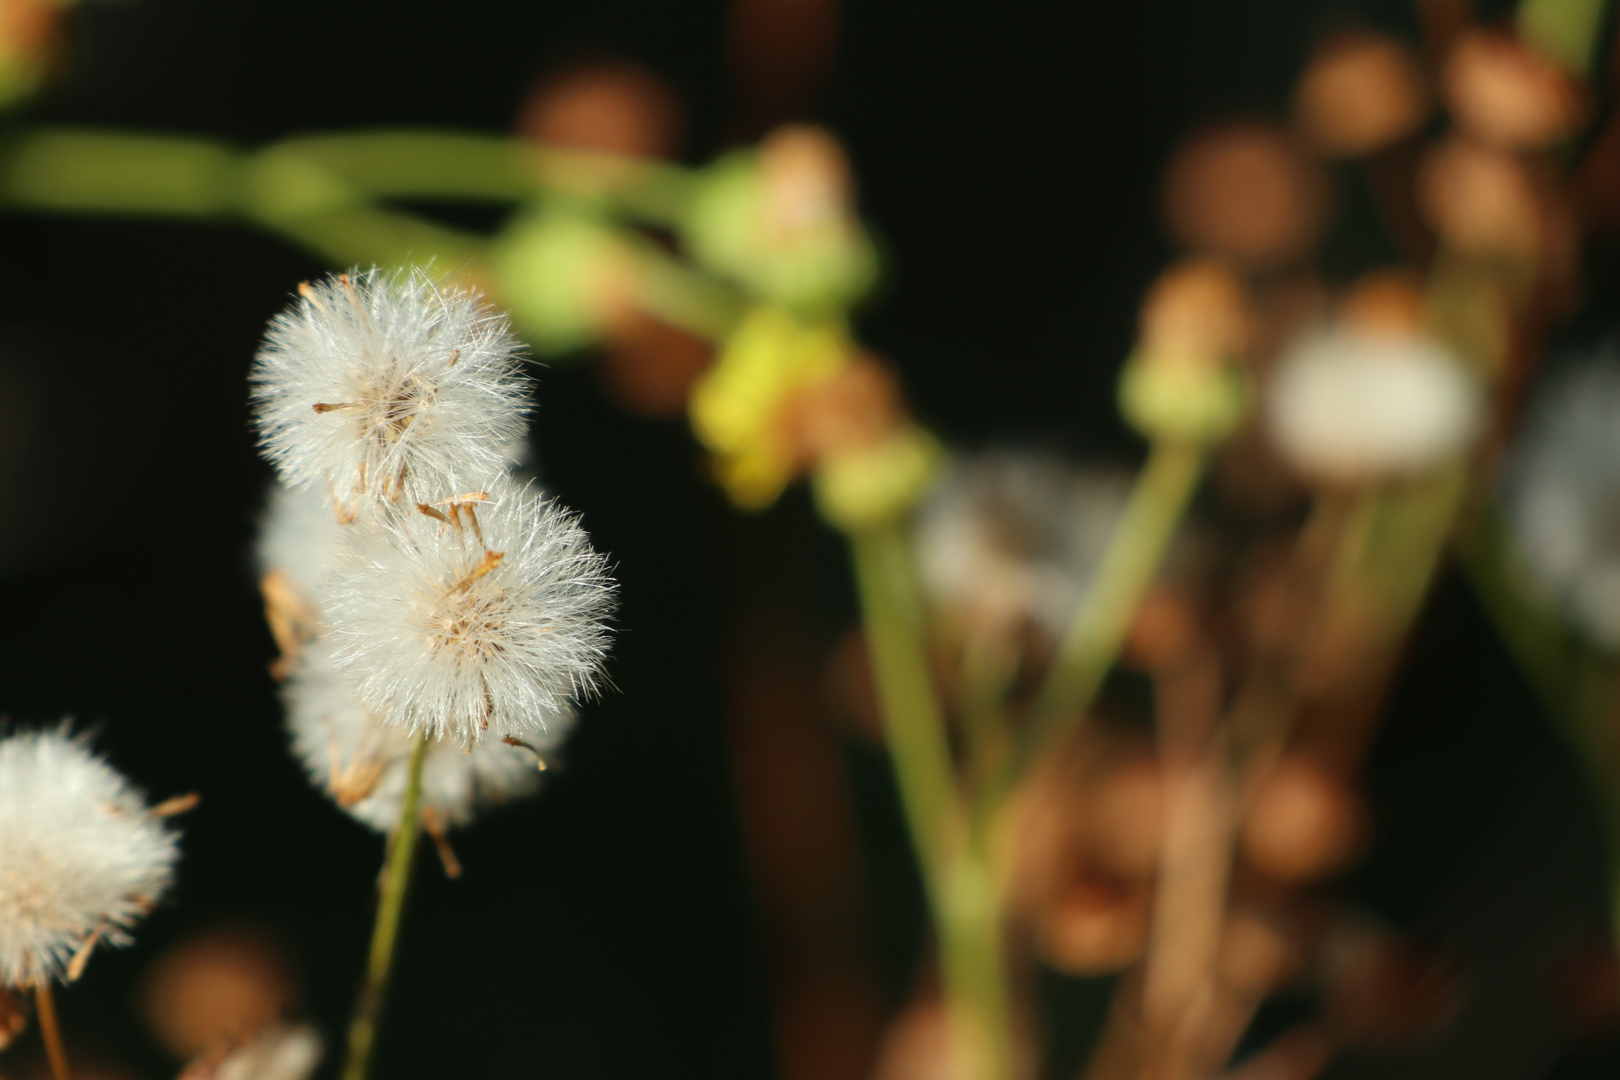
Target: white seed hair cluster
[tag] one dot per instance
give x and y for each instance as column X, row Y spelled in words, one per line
column 1010, row 536
column 1349, row 405
column 1562, row 495
column 481, row 617
column 388, row 386
column 416, row 589
column 363, row 764
column 81, row 857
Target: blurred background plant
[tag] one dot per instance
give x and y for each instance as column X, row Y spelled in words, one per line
column 1212, row 764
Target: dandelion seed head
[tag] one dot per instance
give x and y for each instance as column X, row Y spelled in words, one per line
column 1353, row 404
column 79, row 854
column 299, row 537
column 279, row 1052
column 388, row 387
column 487, row 616
column 364, row 764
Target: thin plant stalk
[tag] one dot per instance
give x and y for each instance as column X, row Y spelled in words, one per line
column 975, row 971
column 1134, row 553
column 51, row 1032
column 961, row 889
column 396, row 883
column 912, row 718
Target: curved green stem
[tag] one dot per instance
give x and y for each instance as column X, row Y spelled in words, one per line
column 1098, row 631
column 396, row 883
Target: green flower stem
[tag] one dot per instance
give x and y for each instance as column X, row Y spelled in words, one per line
column 404, row 164
column 975, row 971
column 674, row 293
column 396, row 883
column 1565, row 30
column 362, row 235
column 1097, row 633
column 911, row 715
column 653, row 191
column 962, row 892
column 86, row 171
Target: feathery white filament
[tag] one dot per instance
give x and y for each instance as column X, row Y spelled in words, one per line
column 363, row 764
column 79, row 854
column 488, row 616
column 1348, row 405
column 388, row 387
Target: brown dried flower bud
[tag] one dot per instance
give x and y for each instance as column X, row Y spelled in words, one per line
column 855, row 408
column 1384, row 302
column 1360, row 93
column 1244, row 190
column 611, row 108
column 808, row 185
column 1095, row 926
column 1481, row 201
column 223, row 986
column 1197, row 310
column 1305, row 822
column 1509, row 96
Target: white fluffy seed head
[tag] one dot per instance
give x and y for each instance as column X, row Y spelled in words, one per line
column 471, row 618
column 1348, row 405
column 364, row 764
column 1562, row 495
column 298, row 537
column 1010, row 536
column 279, row 1052
column 79, row 854
column 388, row 387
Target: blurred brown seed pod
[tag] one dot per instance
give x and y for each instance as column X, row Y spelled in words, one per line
column 1094, row 926
column 608, row 107
column 1258, row 952
column 1385, row 302
column 1481, row 201
column 1244, row 190
column 648, row 366
column 1196, row 309
column 1304, row 822
column 1360, row 93
column 223, row 986
column 855, row 408
column 1505, row 94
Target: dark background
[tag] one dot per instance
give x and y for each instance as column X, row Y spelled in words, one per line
column 1007, row 155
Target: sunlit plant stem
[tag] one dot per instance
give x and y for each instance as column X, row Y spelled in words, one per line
column 51, row 1032
column 1157, row 505
column 396, row 883
column 961, row 889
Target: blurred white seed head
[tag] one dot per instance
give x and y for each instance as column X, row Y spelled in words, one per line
column 1008, row 537
column 1562, row 495
column 299, row 537
column 280, row 1052
column 364, row 764
column 485, row 614
column 388, row 387
column 80, row 855
column 1350, row 405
